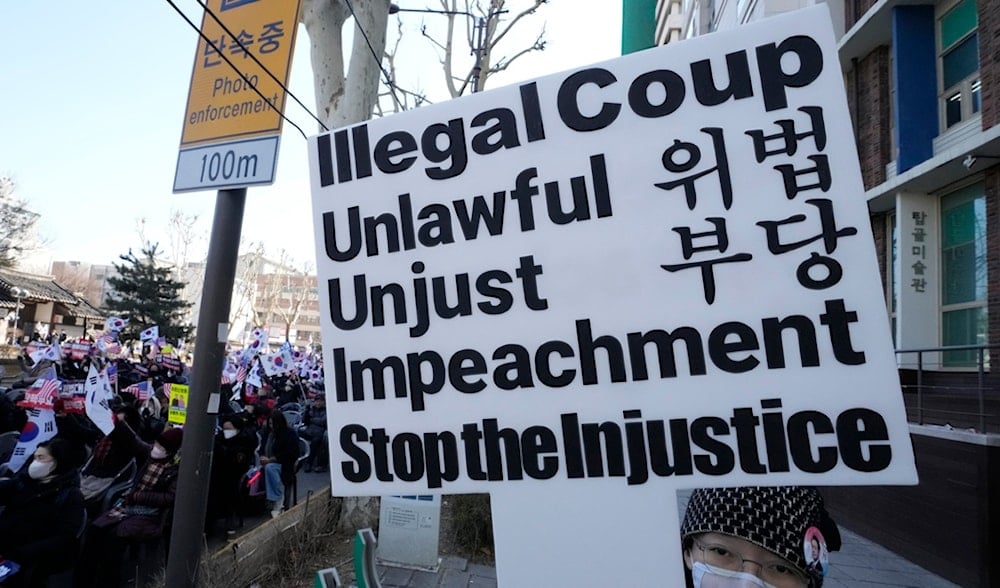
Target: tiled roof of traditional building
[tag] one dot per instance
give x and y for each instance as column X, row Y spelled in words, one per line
column 42, row 288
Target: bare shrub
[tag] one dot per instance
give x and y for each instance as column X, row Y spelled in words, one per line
column 471, row 524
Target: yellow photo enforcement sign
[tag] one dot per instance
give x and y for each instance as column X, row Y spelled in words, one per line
column 230, row 134
column 221, row 103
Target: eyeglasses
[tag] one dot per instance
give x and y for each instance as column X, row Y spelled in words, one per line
column 778, row 573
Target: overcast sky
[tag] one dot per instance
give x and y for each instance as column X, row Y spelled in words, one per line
column 95, row 94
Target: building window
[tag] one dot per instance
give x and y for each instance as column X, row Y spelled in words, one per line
column 744, row 8
column 958, row 60
column 963, row 274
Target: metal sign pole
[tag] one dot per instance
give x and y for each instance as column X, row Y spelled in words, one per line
column 203, row 400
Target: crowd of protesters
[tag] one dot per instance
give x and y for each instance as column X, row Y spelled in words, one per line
column 93, row 472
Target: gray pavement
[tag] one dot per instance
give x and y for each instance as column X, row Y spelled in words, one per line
column 454, row 572
column 860, row 563
column 866, row 564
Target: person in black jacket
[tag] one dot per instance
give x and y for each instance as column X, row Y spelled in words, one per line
column 281, row 451
column 12, row 417
column 143, row 513
column 108, row 460
column 40, row 526
column 314, row 423
column 232, row 456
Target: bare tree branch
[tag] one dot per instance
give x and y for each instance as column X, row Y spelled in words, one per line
column 505, row 62
column 17, row 224
column 182, row 234
column 510, row 24
column 434, row 42
column 448, row 48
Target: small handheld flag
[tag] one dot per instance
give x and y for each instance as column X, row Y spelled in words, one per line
column 150, row 334
column 115, row 324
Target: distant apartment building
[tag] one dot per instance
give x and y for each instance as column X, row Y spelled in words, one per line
column 86, row 280
column 277, row 296
column 288, row 304
column 266, row 293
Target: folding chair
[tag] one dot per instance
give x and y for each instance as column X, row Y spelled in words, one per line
column 292, row 489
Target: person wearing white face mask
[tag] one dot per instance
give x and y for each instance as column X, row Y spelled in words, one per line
column 142, row 514
column 43, row 514
column 757, row 537
column 232, row 456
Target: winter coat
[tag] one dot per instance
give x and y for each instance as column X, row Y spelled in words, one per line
column 146, row 509
column 231, row 458
column 41, row 523
column 284, row 448
column 315, row 418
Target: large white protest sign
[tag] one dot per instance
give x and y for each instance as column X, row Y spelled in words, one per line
column 583, row 292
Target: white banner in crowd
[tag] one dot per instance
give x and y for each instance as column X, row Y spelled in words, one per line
column 97, row 399
column 41, row 427
column 583, row 292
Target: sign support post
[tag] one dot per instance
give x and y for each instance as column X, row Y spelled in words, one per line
column 587, row 291
column 232, row 127
column 203, row 401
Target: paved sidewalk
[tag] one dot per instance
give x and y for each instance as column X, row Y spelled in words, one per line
column 860, row 563
column 864, row 564
column 454, row 572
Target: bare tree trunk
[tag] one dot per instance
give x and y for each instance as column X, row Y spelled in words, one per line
column 480, row 25
column 343, row 98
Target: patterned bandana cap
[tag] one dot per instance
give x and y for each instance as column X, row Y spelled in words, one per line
column 773, row 518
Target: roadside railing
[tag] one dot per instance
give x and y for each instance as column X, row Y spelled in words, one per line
column 951, row 386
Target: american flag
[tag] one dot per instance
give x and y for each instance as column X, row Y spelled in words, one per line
column 140, row 390
column 42, row 394
column 109, row 344
column 113, row 374
column 229, row 374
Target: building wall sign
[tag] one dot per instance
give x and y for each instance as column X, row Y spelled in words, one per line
column 918, row 249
